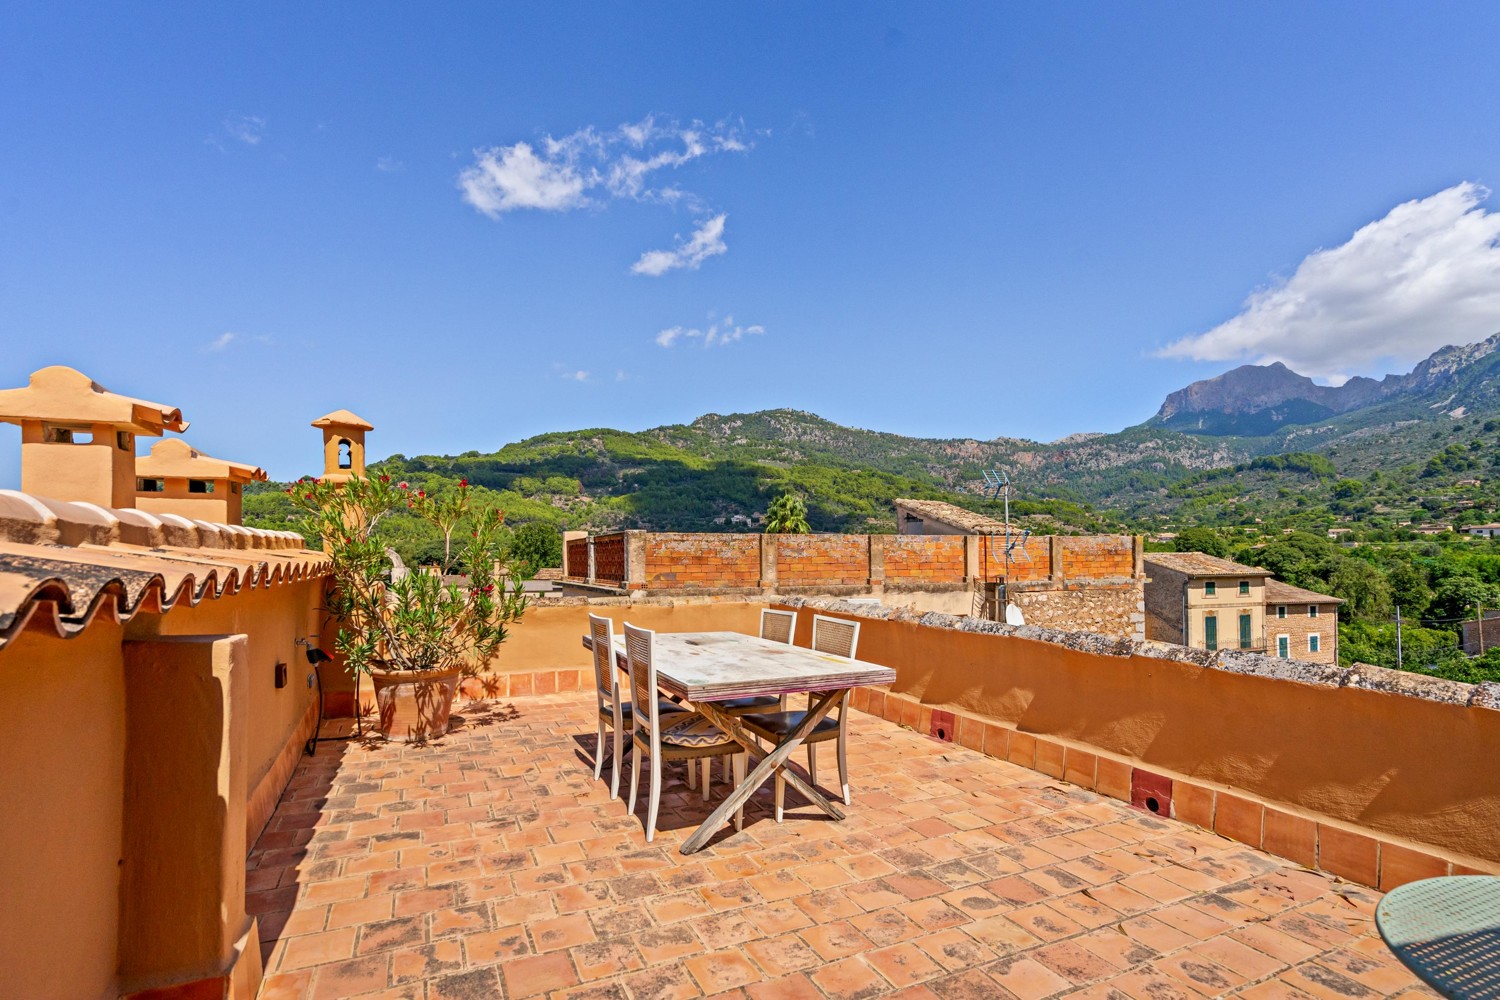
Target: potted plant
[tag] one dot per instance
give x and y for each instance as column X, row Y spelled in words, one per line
column 413, row 633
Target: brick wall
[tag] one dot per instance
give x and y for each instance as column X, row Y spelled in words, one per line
column 1297, row 626
column 924, row 559
column 823, row 560
column 1476, row 642
column 1097, row 557
column 1032, row 561
column 700, row 561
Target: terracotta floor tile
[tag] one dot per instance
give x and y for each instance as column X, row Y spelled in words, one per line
column 793, row 987
column 849, row 979
column 351, row 976
column 784, row 954
column 537, row 974
column 1027, row 978
column 469, row 985
column 954, row 949
column 428, row 961
column 317, row 949
column 903, row 964
column 560, row 933
column 453, row 868
column 721, row 970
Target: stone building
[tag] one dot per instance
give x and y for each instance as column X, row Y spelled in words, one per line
column 1205, row 602
column 1301, row 624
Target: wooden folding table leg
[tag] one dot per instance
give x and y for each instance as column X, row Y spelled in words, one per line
column 764, row 769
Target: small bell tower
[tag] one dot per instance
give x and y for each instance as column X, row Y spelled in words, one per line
column 343, row 445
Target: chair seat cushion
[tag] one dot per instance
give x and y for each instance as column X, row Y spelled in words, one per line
column 693, row 731
column 666, row 709
column 739, row 706
column 779, row 724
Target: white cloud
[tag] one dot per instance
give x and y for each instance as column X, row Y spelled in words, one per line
column 578, row 375
column 249, row 129
column 556, row 174
column 506, row 178
column 707, row 241
column 720, row 333
column 221, row 342
column 389, row 165
column 1425, row 276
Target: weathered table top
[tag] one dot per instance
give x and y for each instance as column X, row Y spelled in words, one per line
column 713, row 666
column 1447, row 931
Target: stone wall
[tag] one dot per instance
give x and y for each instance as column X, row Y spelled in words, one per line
column 1114, row 611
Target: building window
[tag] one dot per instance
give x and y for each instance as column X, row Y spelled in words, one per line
column 1284, row 646
column 1210, row 632
column 1281, row 611
column 1314, row 643
column 1210, row 589
column 1312, row 611
column 150, row 485
column 1244, row 588
column 346, row 454
column 200, row 486
column 1244, row 630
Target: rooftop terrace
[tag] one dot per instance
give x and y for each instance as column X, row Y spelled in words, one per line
column 492, row 864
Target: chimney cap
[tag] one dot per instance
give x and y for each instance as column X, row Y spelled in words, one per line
column 64, row 394
column 175, row 457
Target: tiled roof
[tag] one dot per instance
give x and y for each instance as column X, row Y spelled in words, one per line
column 1284, row 593
column 1202, row 564
column 68, row 562
column 958, row 517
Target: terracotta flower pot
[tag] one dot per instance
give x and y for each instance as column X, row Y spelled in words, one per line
column 414, row 704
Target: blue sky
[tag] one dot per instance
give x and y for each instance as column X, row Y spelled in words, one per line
column 948, row 220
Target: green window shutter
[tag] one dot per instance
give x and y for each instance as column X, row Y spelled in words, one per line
column 1283, row 647
column 1244, row 588
column 1210, row 589
column 1210, row 632
column 1245, row 631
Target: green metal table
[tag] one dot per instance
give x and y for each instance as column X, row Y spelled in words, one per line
column 1447, row 931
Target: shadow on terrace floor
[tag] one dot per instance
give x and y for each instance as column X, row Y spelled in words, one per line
column 491, row 864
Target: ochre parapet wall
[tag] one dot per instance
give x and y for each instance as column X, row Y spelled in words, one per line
column 1376, row 775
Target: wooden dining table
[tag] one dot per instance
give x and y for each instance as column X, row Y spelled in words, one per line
column 703, row 668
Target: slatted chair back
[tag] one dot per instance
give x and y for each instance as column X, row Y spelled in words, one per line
column 639, row 643
column 606, row 679
column 778, row 626
column 835, row 635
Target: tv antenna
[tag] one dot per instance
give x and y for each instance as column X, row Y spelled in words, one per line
column 997, row 486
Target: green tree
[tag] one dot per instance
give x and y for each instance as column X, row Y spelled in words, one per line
column 1458, row 597
column 1409, row 589
column 787, row 516
column 535, row 545
column 1364, row 588
column 1205, row 540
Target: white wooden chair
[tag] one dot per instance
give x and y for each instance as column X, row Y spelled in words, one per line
column 830, row 635
column 613, row 713
column 679, row 736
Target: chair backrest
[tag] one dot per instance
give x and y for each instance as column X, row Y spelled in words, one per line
column 606, row 678
column 835, row 635
column 639, row 643
column 778, row 626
